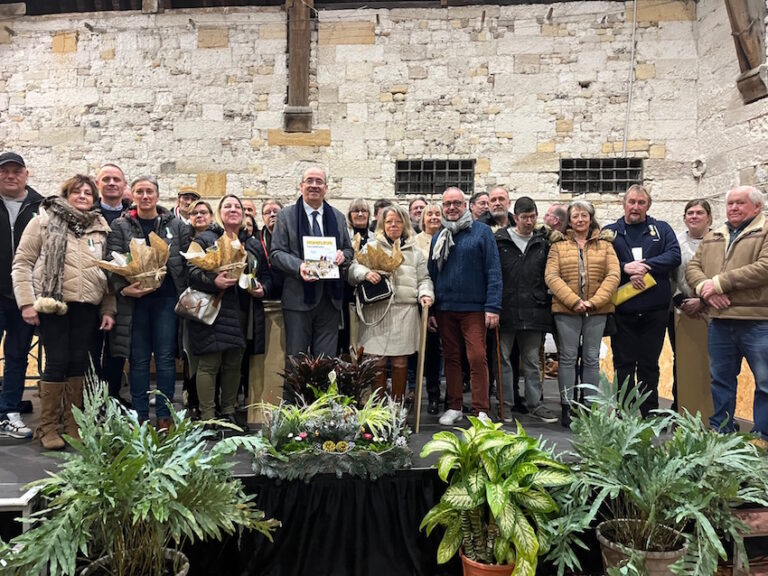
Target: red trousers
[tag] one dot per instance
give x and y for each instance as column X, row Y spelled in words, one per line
column 469, row 327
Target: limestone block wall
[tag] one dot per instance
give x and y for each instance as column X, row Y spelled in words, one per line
column 196, row 96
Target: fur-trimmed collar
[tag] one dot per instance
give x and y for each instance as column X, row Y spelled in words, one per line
column 605, row 234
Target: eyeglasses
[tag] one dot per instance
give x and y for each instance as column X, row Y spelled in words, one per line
column 200, row 213
column 81, row 193
column 315, row 181
column 454, row 203
column 273, row 211
column 359, row 211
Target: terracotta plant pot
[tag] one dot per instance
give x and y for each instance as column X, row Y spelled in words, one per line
column 472, row 568
column 657, row 563
column 172, row 557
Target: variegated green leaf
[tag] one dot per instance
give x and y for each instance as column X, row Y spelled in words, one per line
column 535, row 501
column 524, row 536
column 459, row 497
column 441, row 514
column 447, row 462
column 496, row 497
column 489, row 463
column 476, row 483
column 523, row 470
column 442, row 441
column 524, row 566
column 549, row 477
column 501, row 550
column 450, row 543
column 505, row 520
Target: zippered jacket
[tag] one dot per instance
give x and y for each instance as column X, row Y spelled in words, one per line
column 12, row 236
column 660, row 251
column 738, row 270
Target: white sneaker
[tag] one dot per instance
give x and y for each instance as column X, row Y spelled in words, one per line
column 14, row 427
column 450, row 417
column 484, row 418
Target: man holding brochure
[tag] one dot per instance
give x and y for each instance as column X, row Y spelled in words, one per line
column 648, row 251
column 309, row 244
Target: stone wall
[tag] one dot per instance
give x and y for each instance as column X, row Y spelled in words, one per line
column 197, row 96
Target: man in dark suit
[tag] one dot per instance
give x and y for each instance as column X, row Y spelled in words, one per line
column 311, row 307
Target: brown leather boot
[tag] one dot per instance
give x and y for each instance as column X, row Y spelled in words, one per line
column 50, row 408
column 380, row 381
column 399, row 377
column 73, row 396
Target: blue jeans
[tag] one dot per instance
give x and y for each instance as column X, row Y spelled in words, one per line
column 18, row 339
column 729, row 342
column 153, row 330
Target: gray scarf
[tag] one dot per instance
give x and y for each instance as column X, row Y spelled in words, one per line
column 62, row 216
column 445, row 242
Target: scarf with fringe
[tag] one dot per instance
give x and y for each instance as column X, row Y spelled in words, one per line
column 62, row 217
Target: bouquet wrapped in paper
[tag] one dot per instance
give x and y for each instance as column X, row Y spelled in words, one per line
column 144, row 263
column 225, row 256
column 375, row 258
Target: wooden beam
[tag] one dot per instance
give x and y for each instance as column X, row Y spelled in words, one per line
column 747, row 27
column 298, row 115
column 747, row 19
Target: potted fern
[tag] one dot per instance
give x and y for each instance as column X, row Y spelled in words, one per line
column 503, row 492
column 130, row 497
column 666, row 499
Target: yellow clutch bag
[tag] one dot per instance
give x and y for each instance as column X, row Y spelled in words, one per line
column 627, row 291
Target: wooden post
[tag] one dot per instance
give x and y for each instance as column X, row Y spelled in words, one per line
column 298, row 115
column 747, row 19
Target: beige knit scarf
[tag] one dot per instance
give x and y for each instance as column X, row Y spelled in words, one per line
column 62, row 217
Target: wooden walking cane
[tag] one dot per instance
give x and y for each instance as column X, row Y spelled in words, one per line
column 499, row 383
column 420, row 368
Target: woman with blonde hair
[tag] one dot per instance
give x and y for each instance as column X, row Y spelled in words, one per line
column 583, row 273
column 431, row 222
column 60, row 288
column 396, row 335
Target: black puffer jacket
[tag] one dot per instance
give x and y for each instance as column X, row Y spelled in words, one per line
column 174, row 232
column 525, row 299
column 12, row 236
column 230, row 328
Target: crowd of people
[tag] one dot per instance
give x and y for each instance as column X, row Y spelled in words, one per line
column 489, row 276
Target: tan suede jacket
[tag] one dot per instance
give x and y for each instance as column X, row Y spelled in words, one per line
column 84, row 281
column 601, row 266
column 739, row 270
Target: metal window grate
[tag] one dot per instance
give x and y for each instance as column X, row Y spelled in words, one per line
column 434, row 176
column 608, row 175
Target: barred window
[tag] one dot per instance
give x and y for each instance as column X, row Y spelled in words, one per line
column 427, row 177
column 606, row 175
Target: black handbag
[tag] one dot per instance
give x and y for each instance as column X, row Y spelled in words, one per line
column 369, row 293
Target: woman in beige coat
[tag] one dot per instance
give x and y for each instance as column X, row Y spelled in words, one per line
column 61, row 290
column 396, row 336
column 583, row 273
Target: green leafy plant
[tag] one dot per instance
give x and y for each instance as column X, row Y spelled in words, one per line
column 688, row 480
column 503, row 493
column 333, row 434
column 129, row 492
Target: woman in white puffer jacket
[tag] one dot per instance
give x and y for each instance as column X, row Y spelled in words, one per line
column 396, row 336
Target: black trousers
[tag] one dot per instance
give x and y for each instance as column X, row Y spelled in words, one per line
column 66, row 340
column 636, row 349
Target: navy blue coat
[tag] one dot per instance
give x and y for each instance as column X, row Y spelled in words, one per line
column 660, row 251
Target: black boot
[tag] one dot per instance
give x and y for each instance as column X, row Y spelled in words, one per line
column 565, row 419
